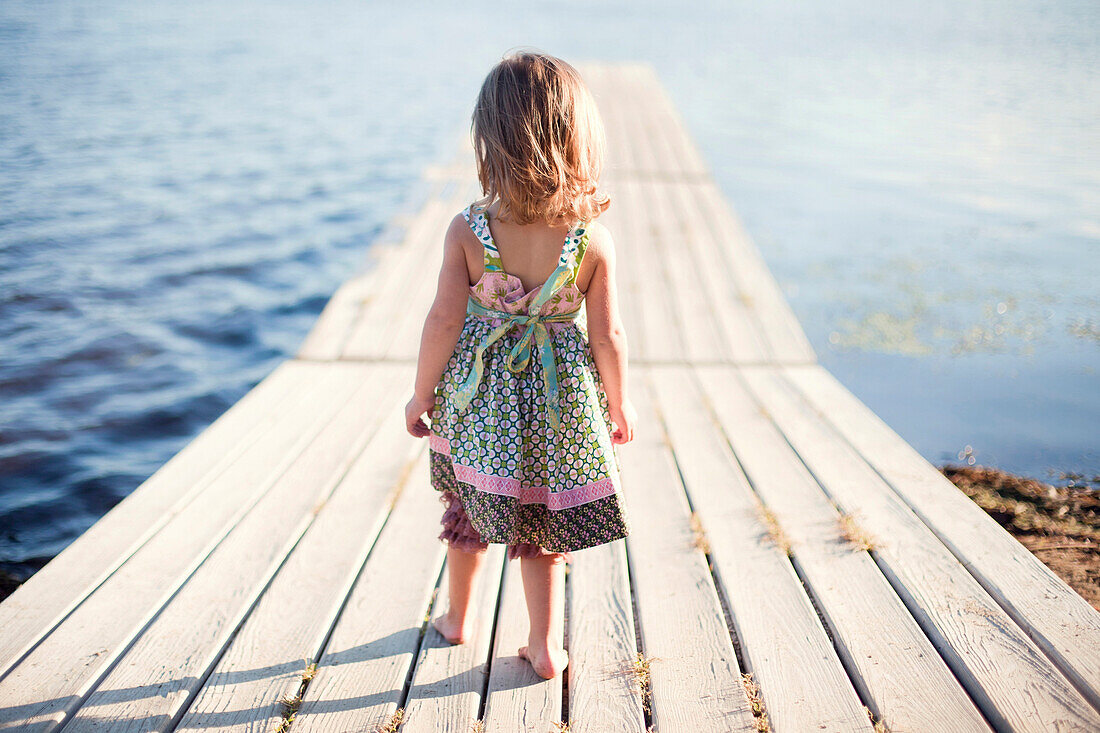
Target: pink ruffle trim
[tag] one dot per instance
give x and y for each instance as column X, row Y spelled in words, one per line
column 459, row 532
column 506, row 486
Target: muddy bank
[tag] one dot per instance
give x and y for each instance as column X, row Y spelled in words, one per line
column 1059, row 524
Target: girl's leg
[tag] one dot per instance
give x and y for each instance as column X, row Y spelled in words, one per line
column 457, row 624
column 544, row 589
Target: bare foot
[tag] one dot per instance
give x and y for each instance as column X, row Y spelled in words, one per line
column 451, row 630
column 548, row 664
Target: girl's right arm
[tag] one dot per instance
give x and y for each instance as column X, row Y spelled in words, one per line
column 606, row 335
column 442, row 327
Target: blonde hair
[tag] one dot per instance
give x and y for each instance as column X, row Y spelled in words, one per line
column 539, row 141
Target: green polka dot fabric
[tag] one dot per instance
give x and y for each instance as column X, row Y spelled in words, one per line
column 520, row 481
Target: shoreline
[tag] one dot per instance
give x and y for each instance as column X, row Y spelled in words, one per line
column 1059, row 524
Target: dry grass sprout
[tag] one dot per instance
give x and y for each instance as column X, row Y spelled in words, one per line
column 757, row 701
column 395, row 720
column 639, row 673
column 291, row 703
column 880, row 726
column 775, row 532
column 855, row 534
column 699, row 536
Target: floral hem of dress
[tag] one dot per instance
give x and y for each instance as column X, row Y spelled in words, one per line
column 459, row 532
column 507, row 486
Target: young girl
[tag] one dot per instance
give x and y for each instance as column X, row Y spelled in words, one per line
column 526, row 400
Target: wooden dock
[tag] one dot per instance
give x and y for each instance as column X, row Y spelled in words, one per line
column 790, row 556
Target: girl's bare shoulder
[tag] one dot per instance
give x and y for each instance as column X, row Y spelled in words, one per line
column 600, row 251
column 461, row 236
column 460, row 232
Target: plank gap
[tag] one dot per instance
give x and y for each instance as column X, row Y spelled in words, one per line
column 94, row 683
column 976, row 695
column 990, row 590
column 712, row 412
column 410, row 675
column 282, row 396
column 318, row 653
column 643, row 689
column 191, row 695
column 865, row 696
column 568, row 590
column 858, row 683
column 493, row 636
column 980, row 701
column 714, row 575
column 898, row 589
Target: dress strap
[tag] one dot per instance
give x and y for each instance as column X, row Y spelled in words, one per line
column 577, row 245
column 474, row 215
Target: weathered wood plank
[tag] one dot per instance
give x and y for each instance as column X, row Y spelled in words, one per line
column 604, row 695
column 674, row 158
column 517, row 699
column 409, row 325
column 290, row 624
column 625, row 278
column 52, row 681
column 755, row 282
column 628, row 231
column 660, row 163
column 361, row 678
column 385, row 304
column 742, row 330
column 672, row 131
column 802, row 681
column 660, row 339
column 889, row 659
column 402, row 337
column 601, row 82
column 664, row 339
column 662, row 336
column 1056, row 617
column 48, row 596
column 639, row 273
column 327, row 337
column 671, row 187
column 695, row 315
column 697, row 685
column 161, row 673
column 994, row 660
column 399, row 341
column 449, row 680
column 652, row 165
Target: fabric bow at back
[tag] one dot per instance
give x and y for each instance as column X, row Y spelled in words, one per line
column 519, row 357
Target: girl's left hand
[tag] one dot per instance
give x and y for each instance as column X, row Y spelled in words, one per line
column 413, row 422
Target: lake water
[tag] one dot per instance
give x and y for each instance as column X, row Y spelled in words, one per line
column 183, row 185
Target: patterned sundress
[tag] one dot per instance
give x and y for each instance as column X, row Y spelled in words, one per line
column 520, row 444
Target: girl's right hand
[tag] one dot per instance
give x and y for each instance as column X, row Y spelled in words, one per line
column 624, row 418
column 414, row 423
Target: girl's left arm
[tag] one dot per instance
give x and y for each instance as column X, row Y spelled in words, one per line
column 442, row 327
